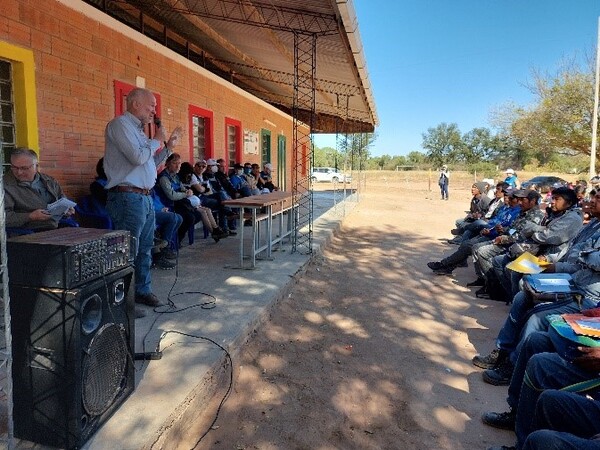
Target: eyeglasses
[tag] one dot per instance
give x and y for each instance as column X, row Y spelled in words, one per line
column 21, row 168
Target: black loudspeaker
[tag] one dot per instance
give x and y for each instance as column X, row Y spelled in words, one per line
column 72, row 357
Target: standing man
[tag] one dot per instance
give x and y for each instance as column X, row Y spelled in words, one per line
column 443, row 181
column 130, row 162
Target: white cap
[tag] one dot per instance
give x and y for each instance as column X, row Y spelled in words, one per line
column 268, row 166
column 510, row 171
column 211, row 162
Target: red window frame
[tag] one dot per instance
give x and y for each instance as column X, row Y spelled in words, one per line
column 208, row 116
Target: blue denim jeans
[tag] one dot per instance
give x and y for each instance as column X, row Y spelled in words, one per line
column 135, row 213
column 168, row 223
column 565, row 421
column 544, row 371
column 472, row 229
column 523, row 320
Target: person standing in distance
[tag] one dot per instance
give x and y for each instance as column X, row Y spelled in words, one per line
column 443, row 181
column 130, row 161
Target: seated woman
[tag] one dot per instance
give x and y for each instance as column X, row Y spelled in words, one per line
column 190, row 181
column 175, row 196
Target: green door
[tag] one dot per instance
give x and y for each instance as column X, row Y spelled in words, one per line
column 265, row 146
column 281, row 163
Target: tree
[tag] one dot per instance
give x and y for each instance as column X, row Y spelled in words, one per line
column 478, row 145
column 560, row 120
column 354, row 149
column 444, row 143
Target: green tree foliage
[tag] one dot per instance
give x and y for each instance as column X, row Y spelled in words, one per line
column 443, row 144
column 561, row 119
column 478, row 145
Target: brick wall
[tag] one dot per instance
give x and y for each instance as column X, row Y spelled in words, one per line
column 77, row 60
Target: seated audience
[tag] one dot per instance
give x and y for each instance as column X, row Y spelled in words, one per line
column 28, row 193
column 190, row 181
column 226, row 215
column 267, row 178
column 260, row 183
column 484, row 252
column 175, row 196
column 480, row 203
column 225, row 182
column 562, row 223
column 250, row 179
column 524, row 318
column 472, row 228
column 539, row 373
column 498, row 225
column 239, row 182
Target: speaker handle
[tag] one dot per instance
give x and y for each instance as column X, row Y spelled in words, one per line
column 147, row 356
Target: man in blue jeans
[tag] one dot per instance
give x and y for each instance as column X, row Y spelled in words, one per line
column 130, row 162
column 565, row 421
column 538, row 370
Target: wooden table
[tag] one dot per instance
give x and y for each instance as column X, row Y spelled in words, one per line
column 279, row 199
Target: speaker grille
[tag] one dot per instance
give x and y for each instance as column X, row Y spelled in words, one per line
column 104, row 369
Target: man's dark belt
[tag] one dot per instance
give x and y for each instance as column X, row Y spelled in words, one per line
column 133, row 189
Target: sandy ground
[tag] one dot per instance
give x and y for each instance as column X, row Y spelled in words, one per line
column 370, row 350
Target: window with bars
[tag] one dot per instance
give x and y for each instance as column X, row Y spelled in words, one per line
column 233, row 141
column 231, row 144
column 7, row 111
column 199, row 130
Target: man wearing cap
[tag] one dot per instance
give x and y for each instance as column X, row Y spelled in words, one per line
column 511, row 178
column 506, row 215
column 239, row 182
column 484, row 253
column 479, row 206
column 472, row 229
column 267, row 178
column 443, row 181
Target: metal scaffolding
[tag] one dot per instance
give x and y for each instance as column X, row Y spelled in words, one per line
column 305, row 55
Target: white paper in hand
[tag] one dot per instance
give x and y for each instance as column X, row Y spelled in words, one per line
column 58, row 208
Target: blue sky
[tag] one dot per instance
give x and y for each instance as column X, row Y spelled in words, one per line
column 434, row 61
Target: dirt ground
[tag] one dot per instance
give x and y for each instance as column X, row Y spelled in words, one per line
column 371, row 350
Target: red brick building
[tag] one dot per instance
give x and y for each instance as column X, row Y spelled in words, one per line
column 66, row 67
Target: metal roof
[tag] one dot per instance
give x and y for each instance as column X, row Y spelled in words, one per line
column 251, row 43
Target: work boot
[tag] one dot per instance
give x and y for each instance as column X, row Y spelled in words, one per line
column 435, row 265
column 163, row 263
column 480, row 281
column 500, row 375
column 490, row 361
column 504, row 421
column 445, row 270
column 148, row 299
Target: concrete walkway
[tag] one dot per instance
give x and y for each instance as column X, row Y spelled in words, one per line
column 169, row 392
